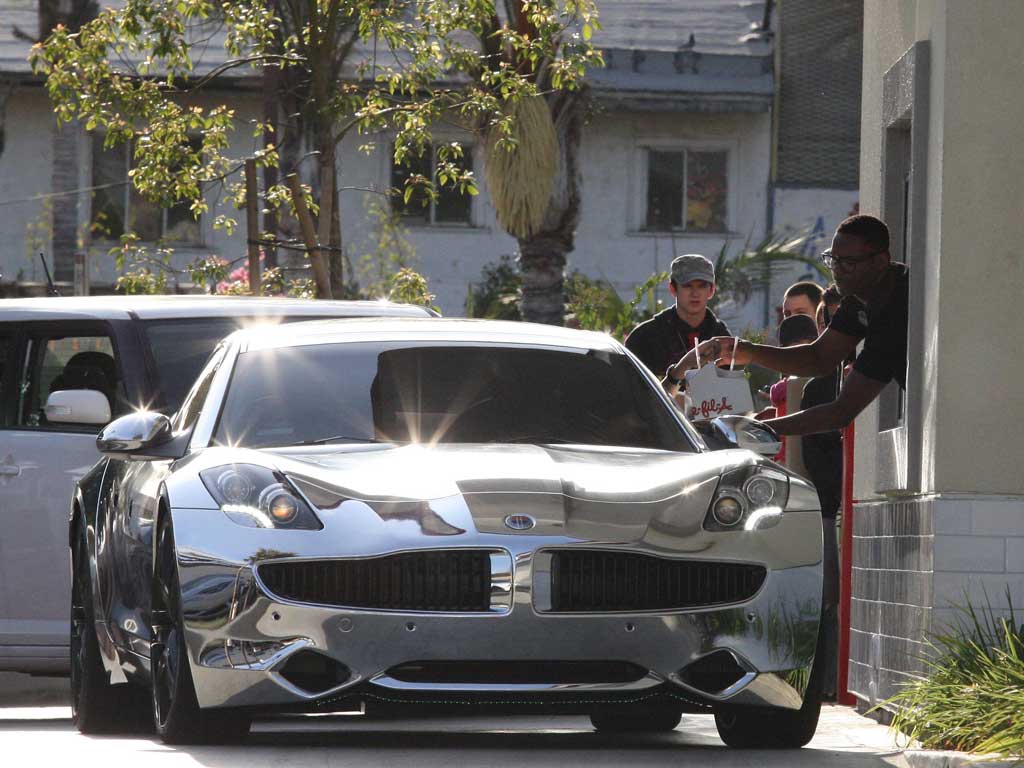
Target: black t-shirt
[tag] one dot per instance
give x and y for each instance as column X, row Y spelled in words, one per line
column 823, row 452
column 662, row 340
column 883, row 328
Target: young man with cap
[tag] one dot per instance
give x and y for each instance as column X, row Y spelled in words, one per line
column 662, row 340
column 875, row 293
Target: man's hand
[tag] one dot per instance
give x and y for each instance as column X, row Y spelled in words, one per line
column 723, row 349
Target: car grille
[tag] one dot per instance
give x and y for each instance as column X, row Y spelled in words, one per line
column 443, row 580
column 600, row 581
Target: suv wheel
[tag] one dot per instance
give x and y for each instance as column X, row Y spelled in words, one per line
column 634, row 720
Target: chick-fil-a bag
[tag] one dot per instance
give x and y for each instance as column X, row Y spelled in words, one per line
column 712, row 391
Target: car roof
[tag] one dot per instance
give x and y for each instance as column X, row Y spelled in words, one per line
column 458, row 330
column 193, row 306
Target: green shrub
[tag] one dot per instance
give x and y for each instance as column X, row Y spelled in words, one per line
column 973, row 697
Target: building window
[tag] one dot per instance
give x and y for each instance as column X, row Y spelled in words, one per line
column 117, row 207
column 451, row 207
column 687, row 190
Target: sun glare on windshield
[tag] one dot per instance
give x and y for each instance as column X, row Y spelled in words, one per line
column 394, row 392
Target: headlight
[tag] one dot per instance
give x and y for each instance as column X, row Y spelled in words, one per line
column 748, row 498
column 258, row 497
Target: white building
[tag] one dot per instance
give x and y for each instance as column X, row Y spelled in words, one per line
column 687, row 92
column 939, row 516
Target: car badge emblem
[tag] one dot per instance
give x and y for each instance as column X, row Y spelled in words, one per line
column 520, row 522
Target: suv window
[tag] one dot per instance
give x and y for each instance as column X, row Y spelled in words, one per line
column 6, row 374
column 197, row 396
column 179, row 349
column 56, row 361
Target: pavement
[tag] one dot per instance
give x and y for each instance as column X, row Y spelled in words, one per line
column 35, row 722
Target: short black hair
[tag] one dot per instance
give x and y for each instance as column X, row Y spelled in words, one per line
column 805, row 288
column 797, row 328
column 871, row 230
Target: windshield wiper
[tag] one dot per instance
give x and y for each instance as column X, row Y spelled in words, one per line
column 334, row 439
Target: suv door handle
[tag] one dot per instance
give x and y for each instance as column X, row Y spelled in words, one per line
column 9, row 470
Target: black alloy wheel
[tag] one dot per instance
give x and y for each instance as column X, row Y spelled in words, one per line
column 634, row 720
column 96, row 705
column 176, row 713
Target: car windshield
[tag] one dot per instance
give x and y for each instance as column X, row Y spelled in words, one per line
column 368, row 392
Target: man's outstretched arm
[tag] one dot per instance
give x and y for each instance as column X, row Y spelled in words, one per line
column 818, row 358
column 857, row 393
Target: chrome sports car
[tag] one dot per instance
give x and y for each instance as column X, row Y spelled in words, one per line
column 443, row 514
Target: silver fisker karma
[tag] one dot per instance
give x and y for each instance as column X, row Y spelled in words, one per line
column 444, row 516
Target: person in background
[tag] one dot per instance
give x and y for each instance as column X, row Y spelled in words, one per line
column 823, row 458
column 828, row 307
column 795, row 329
column 670, row 334
column 801, row 298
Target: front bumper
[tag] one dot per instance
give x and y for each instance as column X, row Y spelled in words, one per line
column 240, row 637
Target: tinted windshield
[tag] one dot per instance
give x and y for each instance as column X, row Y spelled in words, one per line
column 451, row 394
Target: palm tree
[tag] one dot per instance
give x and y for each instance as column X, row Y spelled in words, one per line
column 536, row 186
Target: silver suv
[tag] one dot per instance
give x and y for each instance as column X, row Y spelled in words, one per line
column 67, row 367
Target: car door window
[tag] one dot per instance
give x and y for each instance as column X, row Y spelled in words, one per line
column 57, row 361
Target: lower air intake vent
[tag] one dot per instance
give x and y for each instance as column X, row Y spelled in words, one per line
column 438, row 580
column 603, row 581
column 313, row 672
column 713, row 673
column 517, row 672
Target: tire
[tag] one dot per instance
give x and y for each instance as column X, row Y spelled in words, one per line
column 632, row 720
column 176, row 713
column 769, row 728
column 96, row 705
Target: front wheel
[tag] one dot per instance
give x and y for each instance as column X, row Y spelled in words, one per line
column 96, row 705
column 176, row 713
column 767, row 728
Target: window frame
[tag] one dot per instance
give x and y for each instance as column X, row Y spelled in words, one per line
column 49, row 329
column 204, row 379
column 9, row 340
column 665, row 144
column 430, row 222
column 105, row 238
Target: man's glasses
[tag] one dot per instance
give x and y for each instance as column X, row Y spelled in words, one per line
column 844, row 262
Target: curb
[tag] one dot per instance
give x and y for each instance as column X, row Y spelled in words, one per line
column 920, row 758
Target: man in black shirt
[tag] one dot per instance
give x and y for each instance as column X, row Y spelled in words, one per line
column 662, row 340
column 874, row 308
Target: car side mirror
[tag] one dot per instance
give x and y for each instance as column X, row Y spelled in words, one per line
column 142, row 436
column 77, row 406
column 744, row 432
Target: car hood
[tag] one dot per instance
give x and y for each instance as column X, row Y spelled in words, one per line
column 575, row 491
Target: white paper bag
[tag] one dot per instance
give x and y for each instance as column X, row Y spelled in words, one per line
column 713, row 391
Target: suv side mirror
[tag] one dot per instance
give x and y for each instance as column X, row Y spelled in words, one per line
column 141, row 436
column 744, row 432
column 77, row 406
